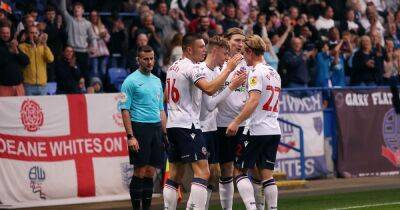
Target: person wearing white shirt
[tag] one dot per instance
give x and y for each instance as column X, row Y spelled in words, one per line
column 325, row 22
column 262, row 133
column 217, row 54
column 183, row 93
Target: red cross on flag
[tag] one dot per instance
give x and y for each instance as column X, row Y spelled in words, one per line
column 55, row 147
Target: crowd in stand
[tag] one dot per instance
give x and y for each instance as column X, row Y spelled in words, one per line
column 319, row 43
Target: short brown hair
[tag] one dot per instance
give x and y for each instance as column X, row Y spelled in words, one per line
column 256, row 44
column 145, row 48
column 189, row 39
column 78, row 4
column 233, row 31
column 217, row 41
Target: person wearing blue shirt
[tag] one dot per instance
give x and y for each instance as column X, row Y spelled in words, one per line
column 144, row 119
column 322, row 65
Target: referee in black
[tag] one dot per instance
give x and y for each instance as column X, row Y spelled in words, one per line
column 144, row 119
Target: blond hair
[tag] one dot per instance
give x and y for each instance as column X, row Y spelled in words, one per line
column 256, row 44
column 233, row 31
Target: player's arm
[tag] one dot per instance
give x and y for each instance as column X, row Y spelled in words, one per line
column 248, row 109
column 254, row 88
column 212, row 102
column 213, row 86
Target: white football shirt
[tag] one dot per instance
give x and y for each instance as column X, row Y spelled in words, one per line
column 233, row 104
column 208, row 119
column 184, row 98
column 264, row 120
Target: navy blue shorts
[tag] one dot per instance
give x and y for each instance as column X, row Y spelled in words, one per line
column 186, row 145
column 212, row 145
column 258, row 151
column 228, row 145
column 150, row 145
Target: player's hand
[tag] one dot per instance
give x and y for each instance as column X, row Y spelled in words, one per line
column 233, row 62
column 238, row 79
column 133, row 144
column 165, row 141
column 232, row 129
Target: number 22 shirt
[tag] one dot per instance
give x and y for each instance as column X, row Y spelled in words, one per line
column 264, row 120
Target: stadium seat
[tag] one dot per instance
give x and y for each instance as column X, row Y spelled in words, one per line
column 117, row 76
column 51, row 88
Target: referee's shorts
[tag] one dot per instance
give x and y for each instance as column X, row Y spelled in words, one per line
column 151, row 147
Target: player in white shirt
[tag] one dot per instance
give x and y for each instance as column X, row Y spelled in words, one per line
column 227, row 111
column 217, row 54
column 262, row 132
column 185, row 83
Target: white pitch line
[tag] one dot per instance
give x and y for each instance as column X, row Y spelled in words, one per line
column 365, row 206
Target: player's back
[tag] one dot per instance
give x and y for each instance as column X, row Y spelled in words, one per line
column 264, row 120
column 183, row 97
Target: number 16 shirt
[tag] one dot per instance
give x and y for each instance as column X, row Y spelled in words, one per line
column 183, row 97
column 264, row 120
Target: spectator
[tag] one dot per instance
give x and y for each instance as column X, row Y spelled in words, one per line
column 334, row 36
column 80, row 36
column 153, row 33
column 166, row 23
column 179, row 17
column 294, row 15
column 100, row 56
column 174, row 52
column 12, row 62
column 350, row 24
column 365, row 71
column 270, row 56
column 260, row 28
column 96, row 86
column 35, row 47
column 337, row 66
column 371, row 21
column 56, row 39
column 141, row 40
column 392, row 33
column 67, row 73
column 295, row 63
column 323, row 64
column 204, row 28
column 230, row 20
column 28, row 20
column 117, row 42
column 325, row 22
column 391, row 64
column 194, row 24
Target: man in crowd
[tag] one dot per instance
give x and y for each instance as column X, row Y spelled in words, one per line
column 12, row 62
column 35, row 74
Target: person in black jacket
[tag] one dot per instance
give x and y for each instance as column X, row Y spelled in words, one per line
column 67, row 73
column 365, row 65
column 56, row 38
column 12, row 62
column 295, row 64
